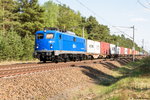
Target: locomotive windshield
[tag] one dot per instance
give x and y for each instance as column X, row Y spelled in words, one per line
column 40, row 36
column 49, row 36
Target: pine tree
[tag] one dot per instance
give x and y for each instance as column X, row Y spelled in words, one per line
column 68, row 19
column 8, row 15
column 31, row 17
column 97, row 31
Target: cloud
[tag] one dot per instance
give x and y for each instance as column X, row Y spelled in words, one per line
column 138, row 20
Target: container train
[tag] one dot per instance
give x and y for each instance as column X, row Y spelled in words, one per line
column 56, row 45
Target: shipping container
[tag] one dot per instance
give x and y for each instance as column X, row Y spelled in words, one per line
column 129, row 51
column 118, row 51
column 135, row 52
column 126, row 51
column 93, row 48
column 122, row 52
column 113, row 49
column 90, row 46
column 104, row 48
column 97, row 47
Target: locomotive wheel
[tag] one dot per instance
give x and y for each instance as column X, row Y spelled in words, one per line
column 74, row 59
column 65, row 60
column 56, row 59
column 80, row 58
column 44, row 61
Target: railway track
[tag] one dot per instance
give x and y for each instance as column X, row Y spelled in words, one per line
column 19, row 69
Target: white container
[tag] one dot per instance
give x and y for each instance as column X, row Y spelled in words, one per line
column 113, row 49
column 125, row 51
column 97, row 47
column 90, row 46
column 93, row 48
column 118, row 50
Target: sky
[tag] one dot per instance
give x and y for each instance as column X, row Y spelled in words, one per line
column 118, row 15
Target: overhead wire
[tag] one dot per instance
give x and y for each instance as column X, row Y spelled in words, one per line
column 58, row 1
column 148, row 2
column 143, row 4
column 98, row 16
column 102, row 18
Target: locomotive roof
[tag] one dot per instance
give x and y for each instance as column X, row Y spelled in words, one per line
column 54, row 31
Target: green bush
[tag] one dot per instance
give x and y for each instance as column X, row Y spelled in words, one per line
column 28, row 48
column 13, row 47
column 145, row 67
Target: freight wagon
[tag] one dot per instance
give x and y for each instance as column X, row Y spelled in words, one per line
column 93, row 49
column 122, row 51
column 105, row 50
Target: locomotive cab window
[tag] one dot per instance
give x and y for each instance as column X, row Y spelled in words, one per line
column 40, row 36
column 49, row 36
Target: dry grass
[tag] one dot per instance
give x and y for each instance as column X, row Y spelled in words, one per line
column 17, row 62
column 134, row 84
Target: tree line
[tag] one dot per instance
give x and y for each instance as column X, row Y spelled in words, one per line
column 20, row 19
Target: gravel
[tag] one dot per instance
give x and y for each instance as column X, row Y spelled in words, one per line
column 49, row 85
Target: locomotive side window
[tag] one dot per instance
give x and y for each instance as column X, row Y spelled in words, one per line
column 40, row 36
column 49, row 36
column 59, row 36
column 74, row 39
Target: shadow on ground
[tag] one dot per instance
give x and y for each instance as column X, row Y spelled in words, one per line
column 102, row 78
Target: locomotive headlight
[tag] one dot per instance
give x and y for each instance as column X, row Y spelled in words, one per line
column 37, row 47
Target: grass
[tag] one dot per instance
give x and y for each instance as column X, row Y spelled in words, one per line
column 17, row 62
column 133, row 84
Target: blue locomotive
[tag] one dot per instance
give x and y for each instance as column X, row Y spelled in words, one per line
column 55, row 45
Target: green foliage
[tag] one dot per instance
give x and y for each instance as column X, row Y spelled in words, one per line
column 11, row 46
column 123, row 42
column 137, row 68
column 145, row 66
column 28, row 48
column 114, row 98
column 8, row 15
column 68, row 19
column 51, row 14
column 20, row 19
column 31, row 17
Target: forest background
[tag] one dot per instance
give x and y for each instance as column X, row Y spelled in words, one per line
column 20, row 19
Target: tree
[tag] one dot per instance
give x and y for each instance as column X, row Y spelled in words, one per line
column 31, row 17
column 68, row 19
column 51, row 14
column 28, row 48
column 97, row 31
column 8, row 15
column 11, row 47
